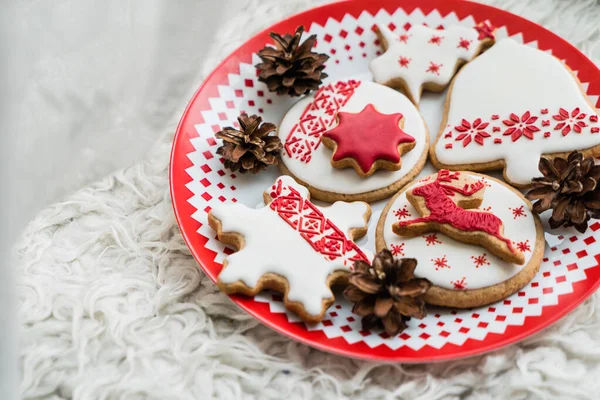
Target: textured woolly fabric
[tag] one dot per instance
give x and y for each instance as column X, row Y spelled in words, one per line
column 112, row 305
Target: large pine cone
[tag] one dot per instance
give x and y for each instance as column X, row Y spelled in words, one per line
column 387, row 293
column 249, row 149
column 570, row 188
column 291, row 68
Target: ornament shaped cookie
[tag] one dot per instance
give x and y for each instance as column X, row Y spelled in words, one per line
column 536, row 107
column 368, row 140
column 448, row 204
column 309, row 161
column 291, row 246
column 466, row 274
column 426, row 58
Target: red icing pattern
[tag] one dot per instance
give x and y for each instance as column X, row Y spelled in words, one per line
column 317, row 117
column 460, row 284
column 440, row 263
column 397, row 249
column 435, row 39
column 444, row 211
column 368, row 136
column 486, row 30
column 404, row 37
column 434, row 68
column 464, row 43
column 322, row 234
column 404, row 61
column 524, row 125
column 524, row 246
column 480, row 261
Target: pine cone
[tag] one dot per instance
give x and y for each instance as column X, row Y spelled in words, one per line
column 291, row 68
column 387, row 294
column 249, row 149
column 568, row 187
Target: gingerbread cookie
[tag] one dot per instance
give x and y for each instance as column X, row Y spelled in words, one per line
column 291, row 246
column 309, row 161
column 465, row 274
column 449, row 204
column 368, row 140
column 426, row 58
column 536, row 106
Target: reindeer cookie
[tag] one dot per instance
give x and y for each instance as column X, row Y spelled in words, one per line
column 370, row 127
column 533, row 106
column 291, row 246
column 475, row 237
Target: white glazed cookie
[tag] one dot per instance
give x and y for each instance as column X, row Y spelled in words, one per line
column 291, row 246
column 467, row 275
column 428, row 58
column 536, row 106
column 306, row 159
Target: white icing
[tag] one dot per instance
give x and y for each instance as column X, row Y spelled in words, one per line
column 418, row 49
column 458, row 255
column 319, row 173
column 271, row 245
column 514, row 78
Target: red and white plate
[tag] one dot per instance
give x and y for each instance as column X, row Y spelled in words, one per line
column 569, row 273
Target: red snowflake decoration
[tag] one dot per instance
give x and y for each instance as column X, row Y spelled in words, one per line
column 404, row 37
column 469, row 131
column 486, row 30
column 402, row 213
column 435, row 39
column 520, row 126
column 524, row 246
column 517, row 212
column 460, row 284
column 434, row 68
column 432, row 239
column 398, row 249
column 440, row 262
column 480, row 261
column 464, row 43
column 569, row 121
column 404, row 61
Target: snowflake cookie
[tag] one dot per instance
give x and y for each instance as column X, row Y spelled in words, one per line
column 537, row 107
column 346, row 115
column 422, row 57
column 291, row 246
column 488, row 242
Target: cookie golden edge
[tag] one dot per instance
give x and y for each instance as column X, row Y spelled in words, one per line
column 370, row 196
column 498, row 165
column 400, row 85
column 278, row 282
column 471, row 298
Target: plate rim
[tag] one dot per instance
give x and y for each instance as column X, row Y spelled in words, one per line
column 180, row 194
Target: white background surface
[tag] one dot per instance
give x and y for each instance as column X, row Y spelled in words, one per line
column 87, row 87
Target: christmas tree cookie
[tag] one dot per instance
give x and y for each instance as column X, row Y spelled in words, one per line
column 291, row 246
column 425, row 58
column 474, row 237
column 508, row 107
column 336, row 140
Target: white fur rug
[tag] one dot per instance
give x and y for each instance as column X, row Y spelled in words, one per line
column 112, row 305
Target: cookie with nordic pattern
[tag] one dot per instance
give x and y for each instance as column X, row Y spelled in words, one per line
column 353, row 140
column 426, row 58
column 291, row 246
column 530, row 105
column 465, row 271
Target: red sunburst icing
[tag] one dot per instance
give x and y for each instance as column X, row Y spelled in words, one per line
column 368, row 136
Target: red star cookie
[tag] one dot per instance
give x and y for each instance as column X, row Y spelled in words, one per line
column 368, row 141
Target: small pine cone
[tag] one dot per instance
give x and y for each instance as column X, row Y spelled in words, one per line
column 291, row 68
column 387, row 294
column 249, row 149
column 570, row 188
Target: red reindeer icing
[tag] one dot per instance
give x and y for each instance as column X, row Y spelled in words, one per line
column 445, row 211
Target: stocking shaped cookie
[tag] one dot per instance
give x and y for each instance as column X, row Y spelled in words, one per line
column 508, row 107
column 448, row 204
column 291, row 246
column 428, row 58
